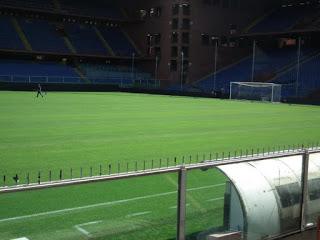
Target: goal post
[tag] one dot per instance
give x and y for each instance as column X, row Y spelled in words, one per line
column 258, row 91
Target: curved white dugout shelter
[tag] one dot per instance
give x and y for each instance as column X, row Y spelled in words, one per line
column 263, row 198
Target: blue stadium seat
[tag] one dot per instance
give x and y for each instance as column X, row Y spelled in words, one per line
column 9, row 38
column 118, row 41
column 43, row 36
column 31, row 4
column 85, row 40
column 28, row 71
column 98, row 73
column 95, row 8
column 308, row 78
column 281, row 19
column 267, row 62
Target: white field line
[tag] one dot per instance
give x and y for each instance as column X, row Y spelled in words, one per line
column 137, row 214
column 214, row 199
column 80, row 228
column 83, row 231
column 22, row 238
column 103, row 204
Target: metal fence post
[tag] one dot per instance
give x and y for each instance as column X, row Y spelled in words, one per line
column 318, row 229
column 304, row 185
column 181, row 208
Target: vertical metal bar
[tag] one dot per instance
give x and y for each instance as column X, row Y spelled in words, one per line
column 156, row 70
column 304, row 185
column 253, row 60
column 182, row 71
column 132, row 66
column 298, row 66
column 318, row 229
column 215, row 66
column 181, row 208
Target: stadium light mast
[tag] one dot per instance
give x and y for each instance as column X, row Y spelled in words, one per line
column 182, row 71
column 298, row 66
column 253, row 60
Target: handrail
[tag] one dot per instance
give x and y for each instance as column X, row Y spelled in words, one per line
column 163, row 170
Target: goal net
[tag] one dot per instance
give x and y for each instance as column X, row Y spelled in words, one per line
column 255, row 91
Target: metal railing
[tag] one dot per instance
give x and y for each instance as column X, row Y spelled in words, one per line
column 182, row 170
column 108, row 80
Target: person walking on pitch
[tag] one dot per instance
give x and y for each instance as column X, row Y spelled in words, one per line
column 39, row 91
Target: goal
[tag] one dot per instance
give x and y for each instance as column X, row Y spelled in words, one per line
column 257, row 91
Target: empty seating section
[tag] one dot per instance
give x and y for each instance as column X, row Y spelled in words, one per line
column 267, row 62
column 27, row 71
column 95, row 8
column 118, row 75
column 85, row 40
column 281, row 19
column 32, row 4
column 43, row 36
column 118, row 41
column 236, row 73
column 308, row 80
column 273, row 60
column 9, row 38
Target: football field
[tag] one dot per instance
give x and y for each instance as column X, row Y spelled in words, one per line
column 82, row 134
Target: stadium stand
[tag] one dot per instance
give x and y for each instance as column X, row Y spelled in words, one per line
column 308, row 78
column 98, row 73
column 268, row 63
column 9, row 38
column 282, row 19
column 81, row 8
column 85, row 40
column 27, row 71
column 118, row 41
column 30, row 4
column 43, row 36
column 96, row 8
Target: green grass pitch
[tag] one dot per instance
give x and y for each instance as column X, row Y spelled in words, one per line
column 83, row 130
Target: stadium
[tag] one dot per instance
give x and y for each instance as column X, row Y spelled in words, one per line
column 159, row 119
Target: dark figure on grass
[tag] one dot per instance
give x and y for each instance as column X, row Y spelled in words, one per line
column 39, row 91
